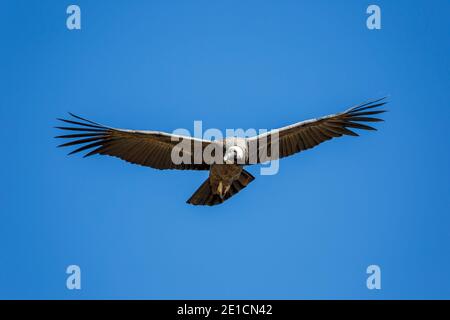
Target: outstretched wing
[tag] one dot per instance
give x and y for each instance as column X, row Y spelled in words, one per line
column 146, row 148
column 308, row 134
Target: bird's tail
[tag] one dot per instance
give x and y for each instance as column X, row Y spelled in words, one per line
column 204, row 196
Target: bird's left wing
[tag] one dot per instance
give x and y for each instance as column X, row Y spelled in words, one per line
column 308, row 134
column 147, row 148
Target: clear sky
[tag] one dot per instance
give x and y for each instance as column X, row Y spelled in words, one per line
column 308, row 232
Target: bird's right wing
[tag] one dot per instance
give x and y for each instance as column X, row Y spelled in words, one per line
column 147, row 148
column 308, row 134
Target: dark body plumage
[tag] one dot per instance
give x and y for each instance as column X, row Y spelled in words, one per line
column 154, row 149
column 233, row 179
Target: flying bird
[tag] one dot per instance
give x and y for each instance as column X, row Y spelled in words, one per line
column 227, row 176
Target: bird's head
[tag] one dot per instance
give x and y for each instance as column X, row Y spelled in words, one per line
column 233, row 155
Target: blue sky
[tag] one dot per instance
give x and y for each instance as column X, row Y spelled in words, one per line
column 308, row 232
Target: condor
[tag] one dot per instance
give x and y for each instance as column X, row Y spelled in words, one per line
column 227, row 175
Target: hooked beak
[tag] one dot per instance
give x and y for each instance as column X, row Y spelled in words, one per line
column 229, row 157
